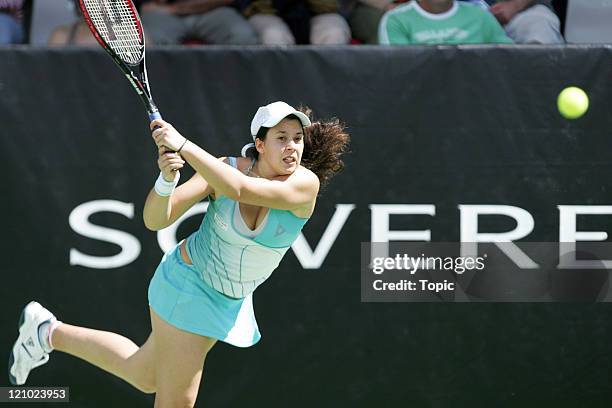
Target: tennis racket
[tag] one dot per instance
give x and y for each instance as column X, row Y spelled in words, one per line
column 116, row 26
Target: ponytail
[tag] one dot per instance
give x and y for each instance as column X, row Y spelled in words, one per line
column 324, row 144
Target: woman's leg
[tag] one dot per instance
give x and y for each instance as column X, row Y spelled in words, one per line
column 329, row 29
column 111, row 352
column 179, row 359
column 223, row 25
column 364, row 21
column 535, row 25
column 163, row 28
column 272, row 30
column 11, row 31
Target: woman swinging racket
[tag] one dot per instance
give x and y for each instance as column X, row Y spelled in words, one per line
column 202, row 290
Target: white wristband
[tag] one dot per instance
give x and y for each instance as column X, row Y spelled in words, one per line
column 165, row 188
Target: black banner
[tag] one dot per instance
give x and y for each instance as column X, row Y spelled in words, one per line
column 448, row 143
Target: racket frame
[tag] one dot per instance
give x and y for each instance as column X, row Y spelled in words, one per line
column 135, row 73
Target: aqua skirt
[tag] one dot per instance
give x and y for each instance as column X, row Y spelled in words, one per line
column 179, row 295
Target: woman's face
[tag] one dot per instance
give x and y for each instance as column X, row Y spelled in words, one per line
column 283, row 147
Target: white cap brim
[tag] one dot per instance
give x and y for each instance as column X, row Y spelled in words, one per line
column 272, row 114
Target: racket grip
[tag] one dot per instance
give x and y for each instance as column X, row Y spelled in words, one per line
column 154, row 115
column 157, row 115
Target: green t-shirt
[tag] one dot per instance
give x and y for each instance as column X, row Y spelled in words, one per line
column 464, row 23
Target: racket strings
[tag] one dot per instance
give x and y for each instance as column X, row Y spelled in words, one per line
column 118, row 26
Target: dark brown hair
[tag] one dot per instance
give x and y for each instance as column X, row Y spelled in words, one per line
column 324, row 144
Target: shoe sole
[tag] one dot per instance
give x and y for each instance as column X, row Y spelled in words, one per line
column 12, row 379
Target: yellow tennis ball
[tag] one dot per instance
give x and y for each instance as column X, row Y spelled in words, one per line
column 572, row 102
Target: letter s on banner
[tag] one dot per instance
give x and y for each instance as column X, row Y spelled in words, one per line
column 79, row 222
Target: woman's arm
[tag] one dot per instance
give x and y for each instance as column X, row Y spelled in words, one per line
column 297, row 191
column 161, row 211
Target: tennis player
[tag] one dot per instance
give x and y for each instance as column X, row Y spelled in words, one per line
column 202, row 289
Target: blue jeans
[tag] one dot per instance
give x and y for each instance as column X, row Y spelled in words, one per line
column 11, row 30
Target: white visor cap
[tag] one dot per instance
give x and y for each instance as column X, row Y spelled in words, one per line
column 271, row 115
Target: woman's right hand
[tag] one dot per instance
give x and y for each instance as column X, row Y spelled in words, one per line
column 169, row 163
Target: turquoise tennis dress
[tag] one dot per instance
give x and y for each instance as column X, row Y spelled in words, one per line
column 214, row 296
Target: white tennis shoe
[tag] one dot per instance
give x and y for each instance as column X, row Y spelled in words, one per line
column 28, row 353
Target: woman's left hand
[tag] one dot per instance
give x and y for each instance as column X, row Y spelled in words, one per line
column 166, row 135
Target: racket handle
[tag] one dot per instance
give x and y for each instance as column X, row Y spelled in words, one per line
column 154, row 115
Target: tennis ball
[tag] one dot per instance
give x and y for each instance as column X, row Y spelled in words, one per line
column 572, row 102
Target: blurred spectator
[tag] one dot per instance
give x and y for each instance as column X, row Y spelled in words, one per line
column 11, row 22
column 365, row 17
column 76, row 33
column 212, row 21
column 440, row 22
column 528, row 21
column 287, row 22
